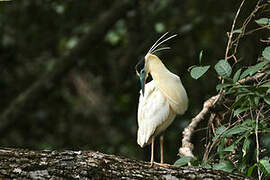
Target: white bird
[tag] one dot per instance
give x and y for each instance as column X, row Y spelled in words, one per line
column 160, row 100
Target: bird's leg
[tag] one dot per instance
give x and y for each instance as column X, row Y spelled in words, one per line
column 161, row 153
column 161, row 149
column 152, row 151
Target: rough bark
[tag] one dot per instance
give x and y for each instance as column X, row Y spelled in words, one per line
column 21, row 164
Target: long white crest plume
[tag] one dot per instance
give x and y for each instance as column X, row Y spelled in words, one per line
column 154, row 49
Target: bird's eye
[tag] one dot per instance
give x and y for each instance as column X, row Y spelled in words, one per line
column 142, row 71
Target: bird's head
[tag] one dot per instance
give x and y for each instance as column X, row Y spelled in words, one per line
column 142, row 69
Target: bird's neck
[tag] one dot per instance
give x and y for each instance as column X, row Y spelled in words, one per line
column 169, row 83
column 158, row 70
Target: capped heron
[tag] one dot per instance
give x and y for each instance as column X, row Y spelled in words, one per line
column 160, row 99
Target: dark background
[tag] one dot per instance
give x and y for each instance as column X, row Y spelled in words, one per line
column 92, row 103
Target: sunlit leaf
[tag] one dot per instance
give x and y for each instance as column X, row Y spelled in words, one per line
column 237, row 31
column 236, row 75
column 253, row 69
column 221, row 86
column 250, row 170
column 159, row 27
column 113, row 37
column 240, row 110
column 263, row 21
column 223, row 68
column 197, row 72
column 266, row 53
column 72, row 42
column 235, row 130
column 184, row 161
column 267, row 84
column 264, row 165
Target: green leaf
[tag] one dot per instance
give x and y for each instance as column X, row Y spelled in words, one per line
column 256, row 100
column 250, row 170
column 113, row 37
column 267, row 84
column 240, row 110
column 235, row 130
column 238, row 102
column 266, row 53
column 236, row 75
column 221, row 130
column 160, row 27
column 223, row 68
column 263, row 21
column 268, row 91
column 244, row 74
column 264, row 165
column 267, row 71
column 184, row 161
column 253, row 69
column 267, row 99
column 237, row 31
column 205, row 165
column 246, row 146
column 197, row 72
column 229, row 148
column 200, row 57
column 224, row 166
column 221, row 86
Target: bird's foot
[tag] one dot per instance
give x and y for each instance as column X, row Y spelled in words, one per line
column 163, row 164
column 159, row 164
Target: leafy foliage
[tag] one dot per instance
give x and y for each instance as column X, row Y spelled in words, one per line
column 236, row 145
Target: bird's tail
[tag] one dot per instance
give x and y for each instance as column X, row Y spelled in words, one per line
column 143, row 137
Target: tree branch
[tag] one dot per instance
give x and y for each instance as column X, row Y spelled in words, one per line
column 18, row 163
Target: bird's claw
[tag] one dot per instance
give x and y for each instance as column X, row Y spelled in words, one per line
column 159, row 164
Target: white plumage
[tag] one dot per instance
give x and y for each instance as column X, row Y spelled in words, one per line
column 160, row 100
column 154, row 114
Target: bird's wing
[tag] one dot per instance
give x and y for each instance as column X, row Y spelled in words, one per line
column 153, row 112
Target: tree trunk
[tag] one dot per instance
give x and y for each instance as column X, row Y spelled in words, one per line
column 18, row 163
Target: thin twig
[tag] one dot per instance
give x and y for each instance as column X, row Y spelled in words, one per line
column 257, row 143
column 207, row 152
column 243, row 28
column 231, row 33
